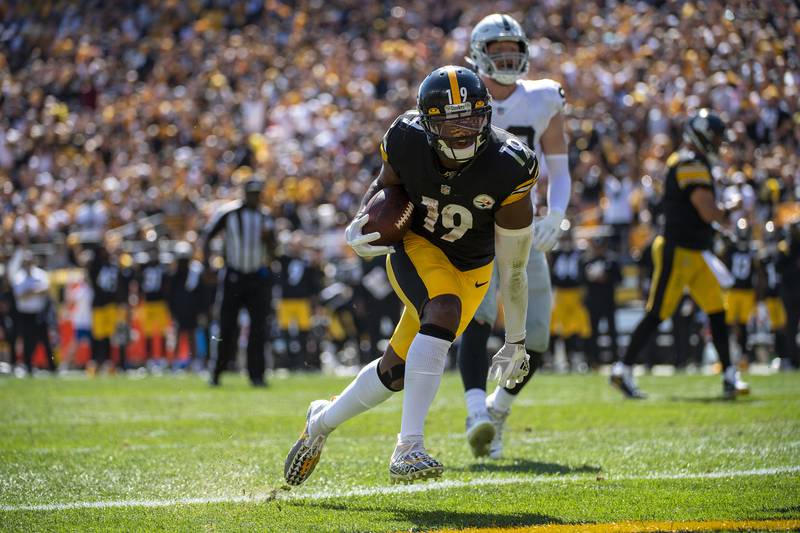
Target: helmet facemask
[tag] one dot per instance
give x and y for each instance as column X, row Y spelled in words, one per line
column 504, row 67
column 458, row 136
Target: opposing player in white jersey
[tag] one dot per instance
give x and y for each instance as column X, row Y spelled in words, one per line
column 531, row 110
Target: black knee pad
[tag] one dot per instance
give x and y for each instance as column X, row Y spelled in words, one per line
column 392, row 379
column 432, row 330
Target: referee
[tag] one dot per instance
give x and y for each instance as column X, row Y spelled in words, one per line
column 249, row 243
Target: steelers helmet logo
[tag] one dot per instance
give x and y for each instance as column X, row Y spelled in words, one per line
column 483, row 201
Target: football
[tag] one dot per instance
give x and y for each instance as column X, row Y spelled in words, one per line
column 390, row 212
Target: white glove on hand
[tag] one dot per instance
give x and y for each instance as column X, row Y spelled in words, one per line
column 547, row 231
column 510, row 365
column 360, row 242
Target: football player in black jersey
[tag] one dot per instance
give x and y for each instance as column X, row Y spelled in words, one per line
column 770, row 256
column 103, row 275
column 470, row 185
column 570, row 321
column 154, row 312
column 300, row 282
column 740, row 298
column 682, row 254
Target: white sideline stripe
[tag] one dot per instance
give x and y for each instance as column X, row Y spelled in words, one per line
column 401, row 489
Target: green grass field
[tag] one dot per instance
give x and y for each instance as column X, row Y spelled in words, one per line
column 168, row 453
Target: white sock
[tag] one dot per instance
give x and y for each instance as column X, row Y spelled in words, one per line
column 730, row 374
column 500, row 399
column 363, row 393
column 424, row 368
column 476, row 401
column 621, row 369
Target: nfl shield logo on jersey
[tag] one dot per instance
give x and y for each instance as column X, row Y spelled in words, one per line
column 483, row 201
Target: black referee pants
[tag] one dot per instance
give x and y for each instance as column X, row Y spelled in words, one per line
column 252, row 292
column 33, row 330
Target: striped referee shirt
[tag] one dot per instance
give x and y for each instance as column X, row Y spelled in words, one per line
column 245, row 239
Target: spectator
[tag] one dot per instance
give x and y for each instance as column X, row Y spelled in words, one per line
column 141, row 116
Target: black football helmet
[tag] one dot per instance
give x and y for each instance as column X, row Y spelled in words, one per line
column 705, row 132
column 456, row 112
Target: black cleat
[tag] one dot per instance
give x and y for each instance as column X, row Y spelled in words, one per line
column 735, row 387
column 627, row 387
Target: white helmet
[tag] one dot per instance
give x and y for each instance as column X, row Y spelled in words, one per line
column 505, row 68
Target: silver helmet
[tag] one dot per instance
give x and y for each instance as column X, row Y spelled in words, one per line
column 504, row 68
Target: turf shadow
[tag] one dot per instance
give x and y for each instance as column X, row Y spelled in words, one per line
column 427, row 520
column 710, row 399
column 793, row 510
column 526, row 466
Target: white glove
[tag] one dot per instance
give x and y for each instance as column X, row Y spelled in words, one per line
column 510, row 365
column 360, row 242
column 547, row 230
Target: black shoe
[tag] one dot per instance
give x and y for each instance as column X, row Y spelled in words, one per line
column 213, row 381
column 734, row 387
column 627, row 387
column 260, row 384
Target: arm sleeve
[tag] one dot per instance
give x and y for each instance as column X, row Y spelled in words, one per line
column 512, row 248
column 559, row 184
column 215, row 225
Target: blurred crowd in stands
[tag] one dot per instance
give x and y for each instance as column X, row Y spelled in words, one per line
column 124, row 124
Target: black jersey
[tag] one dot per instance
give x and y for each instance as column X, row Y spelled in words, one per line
column 298, row 278
column 741, row 263
column 682, row 223
column 567, row 269
column 151, row 281
column 104, row 279
column 602, row 290
column 454, row 210
column 126, row 276
column 185, row 293
column 770, row 266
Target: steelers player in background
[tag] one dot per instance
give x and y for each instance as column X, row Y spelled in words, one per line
column 740, row 299
column 300, row 282
column 790, row 290
column 570, row 321
column 105, row 278
column 122, row 333
column 603, row 274
column 186, row 298
column 682, row 253
column 155, row 316
column 532, row 110
column 770, row 256
column 470, row 185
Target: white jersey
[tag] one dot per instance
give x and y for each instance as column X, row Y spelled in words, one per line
column 526, row 113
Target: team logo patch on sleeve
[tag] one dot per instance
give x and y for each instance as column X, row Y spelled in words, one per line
column 483, row 201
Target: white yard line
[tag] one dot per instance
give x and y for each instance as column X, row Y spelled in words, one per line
column 388, row 490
